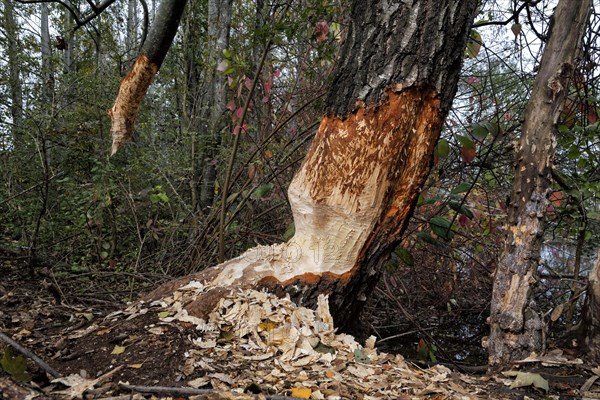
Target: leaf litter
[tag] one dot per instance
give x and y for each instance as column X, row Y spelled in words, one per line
column 256, row 341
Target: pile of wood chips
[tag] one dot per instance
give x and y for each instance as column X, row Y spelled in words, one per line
column 270, row 345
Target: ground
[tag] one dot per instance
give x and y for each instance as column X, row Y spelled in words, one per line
column 252, row 342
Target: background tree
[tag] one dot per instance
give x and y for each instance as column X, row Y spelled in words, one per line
column 516, row 324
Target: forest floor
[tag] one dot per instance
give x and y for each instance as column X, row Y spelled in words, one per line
column 252, row 345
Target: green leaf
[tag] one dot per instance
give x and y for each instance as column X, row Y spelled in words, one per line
column 118, row 350
column 474, row 44
column 465, row 142
column 163, row 198
column 289, row 232
column 462, row 187
column 424, row 202
column 262, row 191
column 15, row 366
column 479, row 131
column 226, row 53
column 516, row 29
column 361, row 357
column 467, row 150
column 164, row 314
column 405, row 256
column 443, row 148
column 461, row 209
column 441, row 227
column 427, row 238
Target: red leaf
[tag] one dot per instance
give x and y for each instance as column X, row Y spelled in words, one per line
column 277, row 73
column 468, row 154
column 265, row 99
column 320, row 31
column 231, row 105
column 556, row 198
column 267, row 86
column 463, row 220
column 238, row 113
column 248, row 83
column 236, row 130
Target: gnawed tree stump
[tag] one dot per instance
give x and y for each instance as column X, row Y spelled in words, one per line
column 359, row 183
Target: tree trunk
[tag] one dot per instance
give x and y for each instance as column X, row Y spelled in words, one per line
column 193, row 41
column 516, row 325
column 219, row 27
column 591, row 315
column 16, row 89
column 133, row 88
column 46, row 51
column 358, row 185
column 131, row 38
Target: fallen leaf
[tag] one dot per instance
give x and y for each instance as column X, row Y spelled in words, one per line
column 528, row 379
column 118, row 349
column 301, row 393
column 135, row 366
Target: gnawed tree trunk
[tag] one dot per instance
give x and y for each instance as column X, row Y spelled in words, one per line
column 516, row 325
column 133, row 88
column 358, row 185
column 590, row 325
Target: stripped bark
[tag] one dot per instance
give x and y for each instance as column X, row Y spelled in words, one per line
column 133, row 88
column 358, row 185
column 515, row 321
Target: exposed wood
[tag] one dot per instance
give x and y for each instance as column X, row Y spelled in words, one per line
column 515, row 321
column 135, row 85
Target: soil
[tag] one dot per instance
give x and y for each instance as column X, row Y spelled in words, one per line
column 51, row 320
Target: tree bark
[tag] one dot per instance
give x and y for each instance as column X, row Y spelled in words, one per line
column 16, row 88
column 515, row 321
column 591, row 315
column 358, row 185
column 219, row 27
column 133, row 88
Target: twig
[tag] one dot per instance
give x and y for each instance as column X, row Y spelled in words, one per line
column 185, row 391
column 30, row 355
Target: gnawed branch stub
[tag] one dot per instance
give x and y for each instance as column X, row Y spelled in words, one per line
column 135, row 85
column 131, row 93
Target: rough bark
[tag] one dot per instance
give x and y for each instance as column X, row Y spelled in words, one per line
column 358, row 185
column 46, row 51
column 516, row 325
column 591, row 315
column 219, row 27
column 133, row 88
column 16, row 88
column 131, row 41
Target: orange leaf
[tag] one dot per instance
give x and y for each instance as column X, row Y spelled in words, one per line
column 301, row 393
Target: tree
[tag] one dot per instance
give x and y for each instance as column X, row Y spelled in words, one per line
column 133, row 88
column 589, row 328
column 360, row 180
column 16, row 90
column 516, row 323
